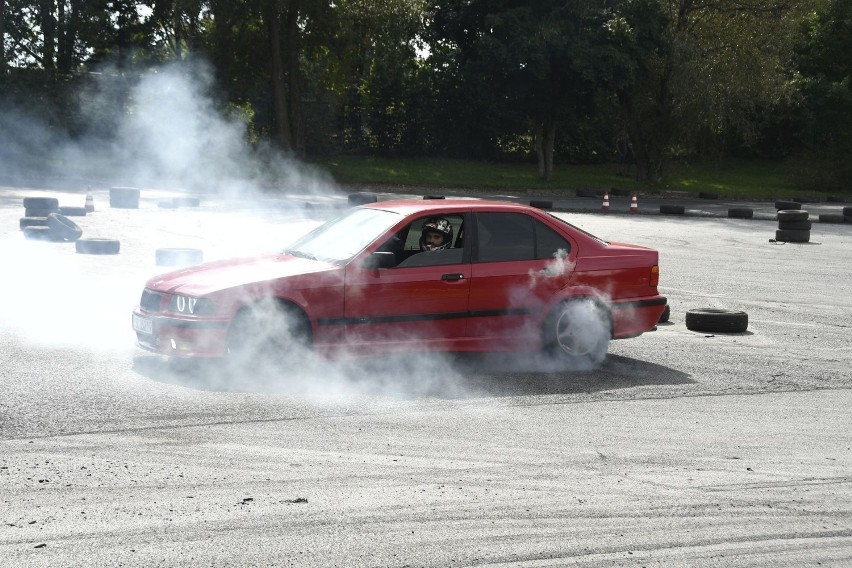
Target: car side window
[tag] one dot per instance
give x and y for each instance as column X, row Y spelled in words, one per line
column 549, row 243
column 515, row 236
column 504, row 237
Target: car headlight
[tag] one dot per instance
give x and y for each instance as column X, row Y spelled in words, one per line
column 191, row 306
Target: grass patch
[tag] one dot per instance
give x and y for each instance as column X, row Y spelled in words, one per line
column 733, row 179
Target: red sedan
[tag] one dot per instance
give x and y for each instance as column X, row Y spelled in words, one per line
column 448, row 275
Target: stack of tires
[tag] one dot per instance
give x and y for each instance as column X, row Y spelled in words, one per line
column 124, row 197
column 845, row 217
column 34, row 222
column 793, row 226
column 43, row 221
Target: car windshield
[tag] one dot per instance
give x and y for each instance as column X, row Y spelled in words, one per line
column 339, row 240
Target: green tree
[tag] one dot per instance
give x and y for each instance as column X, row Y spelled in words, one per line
column 528, row 65
column 824, row 78
column 695, row 73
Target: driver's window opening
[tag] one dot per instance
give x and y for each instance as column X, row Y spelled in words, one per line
column 429, row 241
column 415, row 232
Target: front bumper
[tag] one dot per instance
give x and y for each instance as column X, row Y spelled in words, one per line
column 180, row 337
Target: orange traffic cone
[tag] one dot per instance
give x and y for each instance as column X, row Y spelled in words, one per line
column 605, row 205
column 90, row 202
column 634, row 204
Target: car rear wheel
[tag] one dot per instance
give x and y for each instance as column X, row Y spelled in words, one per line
column 268, row 335
column 578, row 332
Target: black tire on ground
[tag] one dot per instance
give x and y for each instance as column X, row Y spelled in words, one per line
column 831, row 218
column 39, row 233
column 672, row 209
column 578, row 332
column 787, row 215
column 97, row 246
column 64, row 229
column 740, row 212
column 834, row 199
column 787, row 205
column 708, row 195
column 804, row 200
column 32, row 222
column 186, row 201
column 847, row 211
column 40, row 211
column 72, row 211
column 41, row 203
column 664, row 317
column 124, row 197
column 434, row 197
column 847, row 219
column 619, row 191
column 166, row 204
column 178, row 256
column 716, row 320
column 786, row 236
column 795, row 225
column 586, row 193
column 267, row 335
column 541, row 204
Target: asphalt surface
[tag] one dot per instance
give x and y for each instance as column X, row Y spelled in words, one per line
column 683, row 449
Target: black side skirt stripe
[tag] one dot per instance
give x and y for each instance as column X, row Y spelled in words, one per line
column 425, row 317
column 639, row 304
column 476, row 314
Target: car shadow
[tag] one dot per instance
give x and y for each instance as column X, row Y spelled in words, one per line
column 412, row 377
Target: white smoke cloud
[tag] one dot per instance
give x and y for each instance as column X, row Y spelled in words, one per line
column 176, row 138
column 163, row 130
column 50, row 300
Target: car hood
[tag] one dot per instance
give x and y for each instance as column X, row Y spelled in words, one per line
column 207, row 278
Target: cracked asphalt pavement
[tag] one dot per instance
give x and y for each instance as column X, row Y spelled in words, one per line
column 682, row 449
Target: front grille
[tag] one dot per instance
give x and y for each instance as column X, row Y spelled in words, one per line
column 151, row 301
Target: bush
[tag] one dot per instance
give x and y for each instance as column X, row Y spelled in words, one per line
column 826, row 171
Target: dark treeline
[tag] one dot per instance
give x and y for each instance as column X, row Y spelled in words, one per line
column 532, row 80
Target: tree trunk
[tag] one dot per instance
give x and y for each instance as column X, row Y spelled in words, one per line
column 48, row 29
column 549, row 141
column 66, row 32
column 539, row 148
column 177, row 18
column 649, row 128
column 280, row 106
column 545, row 138
column 2, row 40
column 297, row 131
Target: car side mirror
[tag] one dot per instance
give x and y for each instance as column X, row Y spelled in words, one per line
column 380, row 259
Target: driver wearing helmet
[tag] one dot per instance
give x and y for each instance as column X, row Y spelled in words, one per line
column 437, row 234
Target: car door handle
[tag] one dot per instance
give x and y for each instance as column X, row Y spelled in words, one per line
column 452, row 277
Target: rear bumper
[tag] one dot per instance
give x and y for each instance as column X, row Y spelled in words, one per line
column 636, row 316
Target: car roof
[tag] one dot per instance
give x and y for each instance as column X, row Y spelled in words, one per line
column 414, row 206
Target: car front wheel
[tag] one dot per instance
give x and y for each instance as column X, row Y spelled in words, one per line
column 268, row 335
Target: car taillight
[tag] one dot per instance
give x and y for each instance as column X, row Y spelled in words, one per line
column 654, row 280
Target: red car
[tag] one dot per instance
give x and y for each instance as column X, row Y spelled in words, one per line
column 448, row 275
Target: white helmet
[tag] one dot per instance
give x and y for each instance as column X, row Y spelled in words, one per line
column 436, row 225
